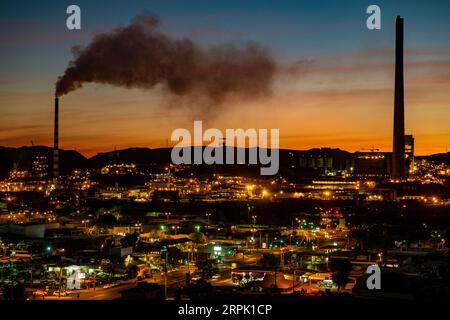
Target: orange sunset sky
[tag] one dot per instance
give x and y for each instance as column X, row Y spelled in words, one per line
column 341, row 98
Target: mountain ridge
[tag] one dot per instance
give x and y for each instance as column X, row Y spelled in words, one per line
column 23, row 157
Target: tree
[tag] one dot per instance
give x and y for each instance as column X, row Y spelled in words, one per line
column 199, row 289
column 198, row 238
column 14, row 292
column 268, row 260
column 107, row 220
column 359, row 236
column 109, row 270
column 206, row 268
column 341, row 270
column 132, row 271
column 129, row 240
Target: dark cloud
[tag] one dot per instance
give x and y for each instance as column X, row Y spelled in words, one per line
column 139, row 55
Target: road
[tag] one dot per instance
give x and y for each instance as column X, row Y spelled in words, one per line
column 174, row 278
column 98, row 293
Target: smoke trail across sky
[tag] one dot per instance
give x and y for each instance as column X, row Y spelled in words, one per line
column 139, row 55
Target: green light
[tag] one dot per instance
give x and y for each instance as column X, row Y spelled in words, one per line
column 197, row 228
column 163, row 227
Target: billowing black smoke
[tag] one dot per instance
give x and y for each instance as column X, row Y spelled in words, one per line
column 140, row 56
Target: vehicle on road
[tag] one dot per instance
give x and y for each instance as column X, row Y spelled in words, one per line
column 60, row 294
column 40, row 293
column 113, row 284
column 196, row 277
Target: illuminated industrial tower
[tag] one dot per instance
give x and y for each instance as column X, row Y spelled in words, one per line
column 398, row 153
column 56, row 142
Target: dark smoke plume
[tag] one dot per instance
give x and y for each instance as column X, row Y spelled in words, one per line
column 140, row 56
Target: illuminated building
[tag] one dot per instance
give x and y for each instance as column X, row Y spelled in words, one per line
column 409, row 151
column 324, row 160
column 372, row 164
column 40, row 167
column 119, row 169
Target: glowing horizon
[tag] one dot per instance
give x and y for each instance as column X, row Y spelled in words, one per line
column 341, row 96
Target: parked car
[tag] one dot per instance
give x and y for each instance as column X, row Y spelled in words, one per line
column 60, row 294
column 196, row 277
column 40, row 293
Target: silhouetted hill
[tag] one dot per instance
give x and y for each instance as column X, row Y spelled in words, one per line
column 23, row 158
column 138, row 156
column 439, row 158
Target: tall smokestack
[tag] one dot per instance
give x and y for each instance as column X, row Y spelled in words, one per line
column 56, row 141
column 398, row 154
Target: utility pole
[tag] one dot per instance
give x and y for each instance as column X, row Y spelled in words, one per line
column 292, row 232
column 293, row 281
column 275, row 278
column 165, row 271
column 168, row 177
column 60, row 278
column 147, row 258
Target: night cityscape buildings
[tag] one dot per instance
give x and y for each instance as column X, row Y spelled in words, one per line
column 130, row 224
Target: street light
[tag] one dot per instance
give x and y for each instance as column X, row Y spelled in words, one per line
column 249, row 209
column 254, row 219
column 207, row 216
column 253, row 228
column 84, row 222
column 176, row 229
